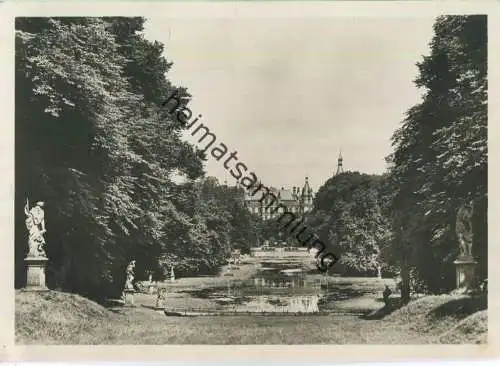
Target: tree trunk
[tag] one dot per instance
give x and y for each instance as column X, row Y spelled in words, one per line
column 62, row 272
column 405, row 278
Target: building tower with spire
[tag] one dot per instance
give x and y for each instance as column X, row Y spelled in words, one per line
column 340, row 168
column 306, row 198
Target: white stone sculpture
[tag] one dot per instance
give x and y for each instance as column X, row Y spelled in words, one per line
column 35, row 223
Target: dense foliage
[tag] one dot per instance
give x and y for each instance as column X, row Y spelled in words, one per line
column 93, row 142
column 440, row 156
column 349, row 215
column 406, row 219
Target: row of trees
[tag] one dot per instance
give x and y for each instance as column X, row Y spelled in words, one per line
column 406, row 218
column 93, row 142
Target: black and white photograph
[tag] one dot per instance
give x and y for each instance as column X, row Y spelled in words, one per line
column 250, row 179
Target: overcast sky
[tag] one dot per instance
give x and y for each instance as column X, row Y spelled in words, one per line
column 289, row 94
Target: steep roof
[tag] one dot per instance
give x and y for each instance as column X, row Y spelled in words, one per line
column 306, row 189
column 286, row 195
column 283, row 194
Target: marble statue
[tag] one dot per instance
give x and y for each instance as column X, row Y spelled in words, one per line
column 464, row 229
column 128, row 290
column 130, row 276
column 35, row 223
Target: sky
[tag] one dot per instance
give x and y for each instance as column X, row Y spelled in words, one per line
column 289, row 94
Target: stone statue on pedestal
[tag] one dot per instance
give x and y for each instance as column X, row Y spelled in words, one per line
column 465, row 264
column 35, row 223
column 36, row 259
column 128, row 290
column 130, row 276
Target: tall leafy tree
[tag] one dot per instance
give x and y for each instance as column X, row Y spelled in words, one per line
column 440, row 153
column 348, row 213
column 71, row 106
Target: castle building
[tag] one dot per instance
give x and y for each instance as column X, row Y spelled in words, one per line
column 296, row 200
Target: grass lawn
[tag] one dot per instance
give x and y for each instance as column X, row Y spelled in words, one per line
column 59, row 318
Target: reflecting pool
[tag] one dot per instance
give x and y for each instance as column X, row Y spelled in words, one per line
column 277, row 287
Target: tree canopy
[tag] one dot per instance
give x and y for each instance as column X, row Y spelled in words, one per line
column 440, row 152
column 349, row 213
column 94, row 143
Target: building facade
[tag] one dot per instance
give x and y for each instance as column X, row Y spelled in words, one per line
column 296, row 200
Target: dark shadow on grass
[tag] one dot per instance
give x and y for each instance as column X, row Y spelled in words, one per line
column 111, row 303
column 150, row 307
column 394, row 304
column 461, row 308
column 174, row 313
column 116, row 311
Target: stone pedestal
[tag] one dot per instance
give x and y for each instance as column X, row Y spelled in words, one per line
column 35, row 278
column 129, row 297
column 465, row 272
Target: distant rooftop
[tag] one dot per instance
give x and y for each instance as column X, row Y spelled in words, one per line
column 283, row 194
